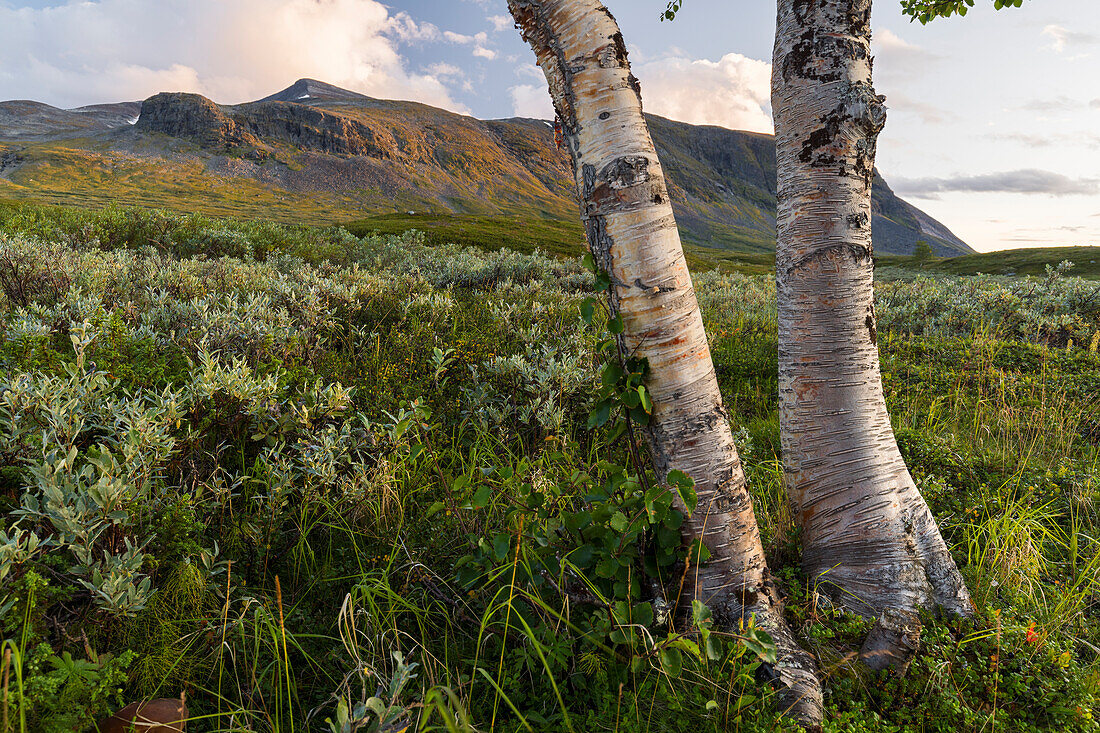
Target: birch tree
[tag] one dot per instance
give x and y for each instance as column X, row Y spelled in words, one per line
column 633, row 237
column 867, row 534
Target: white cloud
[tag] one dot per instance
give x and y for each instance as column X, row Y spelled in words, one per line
column 501, row 22
column 529, row 100
column 1025, row 181
column 534, row 72
column 230, row 50
column 885, row 40
column 733, row 92
column 478, row 40
column 404, row 28
column 1061, row 37
column 443, row 70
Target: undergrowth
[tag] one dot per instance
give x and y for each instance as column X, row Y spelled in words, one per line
column 323, row 482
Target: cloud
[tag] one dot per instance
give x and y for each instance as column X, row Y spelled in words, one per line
column 1053, row 139
column 531, row 71
column 1061, row 37
column 1025, row 181
column 404, row 28
column 1095, row 104
column 501, row 22
column 887, row 44
column 733, row 92
column 230, row 50
column 1061, row 103
column 926, row 113
column 478, row 41
column 530, row 100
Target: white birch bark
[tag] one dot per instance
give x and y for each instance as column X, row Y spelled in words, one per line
column 867, row 533
column 632, row 234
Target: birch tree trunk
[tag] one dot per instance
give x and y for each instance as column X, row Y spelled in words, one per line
column 867, row 533
column 632, row 234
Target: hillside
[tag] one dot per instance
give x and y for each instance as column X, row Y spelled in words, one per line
column 1031, row 261
column 320, row 154
column 350, row 475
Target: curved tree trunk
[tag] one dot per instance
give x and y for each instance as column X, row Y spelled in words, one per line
column 867, row 533
column 633, row 236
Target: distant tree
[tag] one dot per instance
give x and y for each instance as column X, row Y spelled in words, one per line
column 632, row 234
column 922, row 252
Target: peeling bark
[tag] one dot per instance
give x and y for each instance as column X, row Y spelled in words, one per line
column 868, row 536
column 633, row 236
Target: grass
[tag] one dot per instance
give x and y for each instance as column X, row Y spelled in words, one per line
column 360, row 482
column 564, row 239
column 1013, row 262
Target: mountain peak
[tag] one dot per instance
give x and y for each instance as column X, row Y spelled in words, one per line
column 305, row 91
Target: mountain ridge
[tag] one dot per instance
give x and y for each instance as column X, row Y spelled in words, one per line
column 314, row 151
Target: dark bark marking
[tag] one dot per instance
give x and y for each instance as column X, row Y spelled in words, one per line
column 857, row 252
column 872, row 329
column 615, row 54
column 623, row 184
column 860, row 109
column 822, row 137
column 653, row 289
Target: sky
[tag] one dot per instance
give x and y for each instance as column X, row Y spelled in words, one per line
column 993, row 127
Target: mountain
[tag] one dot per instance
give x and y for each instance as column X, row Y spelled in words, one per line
column 318, row 153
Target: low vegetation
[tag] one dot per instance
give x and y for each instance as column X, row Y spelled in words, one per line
column 330, row 481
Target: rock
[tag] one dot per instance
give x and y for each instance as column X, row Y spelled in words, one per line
column 155, row 716
column 310, row 128
column 191, row 116
column 894, row 639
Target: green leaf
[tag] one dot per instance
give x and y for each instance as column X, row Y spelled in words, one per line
column 700, row 614
column 588, row 310
column 647, row 403
column 672, row 661
column 685, row 487
column 602, row 282
column 615, row 325
column 502, row 543
column 589, row 262
column 657, row 503
column 619, row 522
column 643, row 614
column 612, row 373
column 600, row 414
column 481, row 497
column 699, row 553
column 760, row 643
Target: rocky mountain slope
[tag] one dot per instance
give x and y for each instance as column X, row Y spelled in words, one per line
column 319, row 153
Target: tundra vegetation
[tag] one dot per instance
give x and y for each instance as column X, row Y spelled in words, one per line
column 321, row 481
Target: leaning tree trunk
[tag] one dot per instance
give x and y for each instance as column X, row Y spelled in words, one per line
column 867, row 534
column 633, row 236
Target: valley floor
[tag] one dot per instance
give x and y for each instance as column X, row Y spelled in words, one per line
column 320, row 481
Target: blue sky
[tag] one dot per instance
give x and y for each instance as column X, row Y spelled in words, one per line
column 994, row 123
